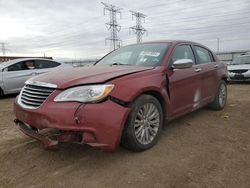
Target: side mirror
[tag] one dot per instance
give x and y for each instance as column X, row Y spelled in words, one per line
column 182, row 64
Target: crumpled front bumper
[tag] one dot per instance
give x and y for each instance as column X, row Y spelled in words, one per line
column 98, row 125
column 49, row 143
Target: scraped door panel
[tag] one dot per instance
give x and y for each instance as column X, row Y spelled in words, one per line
column 209, row 73
column 185, row 85
column 185, row 90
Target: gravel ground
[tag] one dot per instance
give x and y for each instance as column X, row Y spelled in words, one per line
column 202, row 149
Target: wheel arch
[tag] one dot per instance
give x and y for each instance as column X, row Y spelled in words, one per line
column 155, row 94
column 125, row 135
column 158, row 96
column 225, row 79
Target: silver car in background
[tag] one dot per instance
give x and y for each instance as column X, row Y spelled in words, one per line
column 14, row 73
column 239, row 69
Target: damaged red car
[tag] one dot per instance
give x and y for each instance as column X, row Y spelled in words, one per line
column 125, row 98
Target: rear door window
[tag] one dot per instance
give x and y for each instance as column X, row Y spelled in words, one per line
column 204, row 56
column 43, row 64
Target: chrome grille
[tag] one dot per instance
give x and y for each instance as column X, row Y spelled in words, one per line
column 240, row 71
column 33, row 96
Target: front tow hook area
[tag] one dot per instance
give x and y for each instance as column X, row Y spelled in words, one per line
column 46, row 141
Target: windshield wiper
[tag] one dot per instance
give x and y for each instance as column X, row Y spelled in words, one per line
column 117, row 63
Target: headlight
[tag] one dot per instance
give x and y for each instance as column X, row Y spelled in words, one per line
column 85, row 94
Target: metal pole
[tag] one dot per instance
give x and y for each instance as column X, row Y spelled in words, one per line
column 138, row 29
column 218, row 45
column 113, row 26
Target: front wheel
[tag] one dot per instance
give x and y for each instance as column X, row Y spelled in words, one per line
column 144, row 124
column 221, row 97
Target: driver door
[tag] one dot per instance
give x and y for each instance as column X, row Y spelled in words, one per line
column 14, row 77
column 184, row 84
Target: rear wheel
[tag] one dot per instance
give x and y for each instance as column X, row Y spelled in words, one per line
column 144, row 124
column 221, row 97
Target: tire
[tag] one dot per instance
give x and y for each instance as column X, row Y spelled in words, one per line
column 221, row 97
column 1, row 92
column 143, row 125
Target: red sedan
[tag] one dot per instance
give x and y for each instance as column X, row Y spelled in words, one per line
column 126, row 97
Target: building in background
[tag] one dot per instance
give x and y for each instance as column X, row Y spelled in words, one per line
column 7, row 58
column 81, row 63
column 228, row 57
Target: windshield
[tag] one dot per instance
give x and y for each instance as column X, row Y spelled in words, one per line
column 242, row 60
column 137, row 55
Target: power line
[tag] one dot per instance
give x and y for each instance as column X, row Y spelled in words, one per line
column 204, row 6
column 138, row 29
column 204, row 18
column 187, row 19
column 69, row 38
column 112, row 25
column 77, row 34
column 218, row 45
column 209, row 26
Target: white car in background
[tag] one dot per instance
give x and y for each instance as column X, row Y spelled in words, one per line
column 14, row 73
column 239, row 69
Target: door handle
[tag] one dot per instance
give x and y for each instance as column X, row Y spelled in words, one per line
column 197, row 69
column 33, row 74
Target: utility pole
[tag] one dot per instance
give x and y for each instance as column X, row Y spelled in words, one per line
column 218, row 45
column 113, row 26
column 3, row 48
column 138, row 29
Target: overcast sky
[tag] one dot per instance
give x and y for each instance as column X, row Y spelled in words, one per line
column 75, row 28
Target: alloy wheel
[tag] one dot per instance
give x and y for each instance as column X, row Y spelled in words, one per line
column 147, row 123
column 222, row 95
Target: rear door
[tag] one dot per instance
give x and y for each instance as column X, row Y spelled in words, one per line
column 184, row 84
column 209, row 76
column 15, row 75
column 43, row 66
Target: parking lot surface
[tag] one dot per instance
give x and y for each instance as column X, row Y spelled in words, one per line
column 202, row 149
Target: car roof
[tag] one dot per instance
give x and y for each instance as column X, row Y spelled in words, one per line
column 174, row 42
column 168, row 41
column 13, row 61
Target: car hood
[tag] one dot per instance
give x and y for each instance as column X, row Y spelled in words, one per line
column 238, row 67
column 69, row 77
